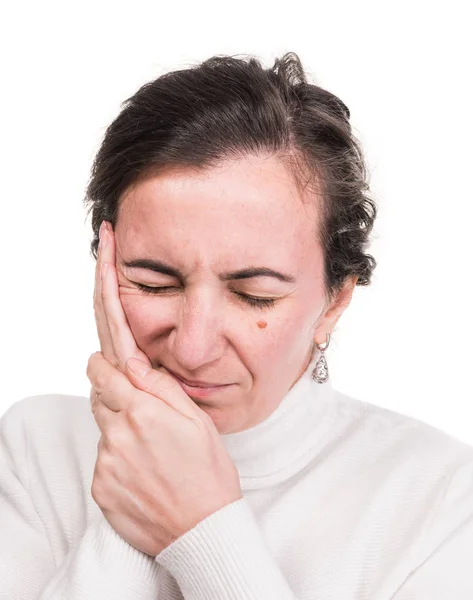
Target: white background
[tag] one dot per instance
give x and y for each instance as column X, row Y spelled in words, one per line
column 404, row 69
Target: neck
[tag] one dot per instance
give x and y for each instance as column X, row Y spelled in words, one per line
column 284, row 442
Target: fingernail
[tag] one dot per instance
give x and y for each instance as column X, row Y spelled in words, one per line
column 102, row 227
column 138, row 367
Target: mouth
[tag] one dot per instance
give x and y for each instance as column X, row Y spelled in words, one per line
column 200, row 390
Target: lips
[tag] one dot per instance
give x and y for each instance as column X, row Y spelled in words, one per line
column 197, row 384
column 202, row 392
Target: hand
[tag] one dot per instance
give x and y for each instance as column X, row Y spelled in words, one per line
column 116, row 339
column 161, row 466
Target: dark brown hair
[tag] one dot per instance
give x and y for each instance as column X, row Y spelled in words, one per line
column 229, row 107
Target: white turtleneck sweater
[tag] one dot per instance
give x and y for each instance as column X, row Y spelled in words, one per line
column 342, row 500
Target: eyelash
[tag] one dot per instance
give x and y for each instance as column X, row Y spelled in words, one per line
column 255, row 302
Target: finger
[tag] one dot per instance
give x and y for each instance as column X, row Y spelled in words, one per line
column 113, row 394
column 120, row 335
column 110, row 386
column 100, row 318
column 160, row 384
column 104, row 417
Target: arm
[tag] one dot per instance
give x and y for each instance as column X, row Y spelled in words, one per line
column 101, row 566
column 447, row 572
column 26, row 560
column 225, row 556
column 444, row 565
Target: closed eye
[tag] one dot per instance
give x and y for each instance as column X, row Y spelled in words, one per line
column 251, row 300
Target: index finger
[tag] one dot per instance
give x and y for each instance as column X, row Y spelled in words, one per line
column 119, row 333
column 100, row 318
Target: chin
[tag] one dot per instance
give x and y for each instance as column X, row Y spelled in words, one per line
column 219, row 418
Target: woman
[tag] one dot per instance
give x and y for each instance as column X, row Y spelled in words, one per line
column 214, row 459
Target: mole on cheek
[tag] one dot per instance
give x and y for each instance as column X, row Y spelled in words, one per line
column 261, row 324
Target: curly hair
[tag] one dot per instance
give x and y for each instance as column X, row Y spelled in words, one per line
column 229, row 107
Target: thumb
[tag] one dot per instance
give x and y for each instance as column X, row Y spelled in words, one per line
column 160, row 383
column 138, row 367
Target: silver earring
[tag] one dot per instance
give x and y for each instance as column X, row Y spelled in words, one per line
column 320, row 372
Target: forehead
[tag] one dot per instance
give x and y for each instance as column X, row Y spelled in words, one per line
column 249, row 205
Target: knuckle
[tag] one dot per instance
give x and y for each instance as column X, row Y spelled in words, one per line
column 138, row 415
column 117, row 441
column 93, row 358
column 105, row 466
column 94, row 399
column 100, row 384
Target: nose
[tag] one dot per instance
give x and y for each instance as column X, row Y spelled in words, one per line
column 197, row 337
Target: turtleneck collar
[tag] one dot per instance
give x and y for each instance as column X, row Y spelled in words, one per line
column 285, row 442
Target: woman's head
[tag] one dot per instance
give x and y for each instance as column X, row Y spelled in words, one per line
column 222, row 168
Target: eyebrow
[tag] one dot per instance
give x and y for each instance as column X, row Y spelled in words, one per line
column 160, row 267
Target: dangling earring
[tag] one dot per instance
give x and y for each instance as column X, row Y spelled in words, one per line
column 320, row 372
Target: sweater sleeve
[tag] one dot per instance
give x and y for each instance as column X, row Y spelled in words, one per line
column 100, row 566
column 26, row 560
column 103, row 567
column 225, row 556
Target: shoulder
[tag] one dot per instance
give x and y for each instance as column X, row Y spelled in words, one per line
column 418, row 465
column 411, row 474
column 45, row 411
column 403, row 452
column 57, row 422
column 49, row 443
column 383, row 428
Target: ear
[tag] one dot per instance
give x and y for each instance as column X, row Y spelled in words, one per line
column 335, row 310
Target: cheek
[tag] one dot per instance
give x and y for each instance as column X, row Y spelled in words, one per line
column 285, row 334
column 271, row 334
column 142, row 317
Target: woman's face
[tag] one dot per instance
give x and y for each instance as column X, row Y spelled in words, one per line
column 199, row 230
